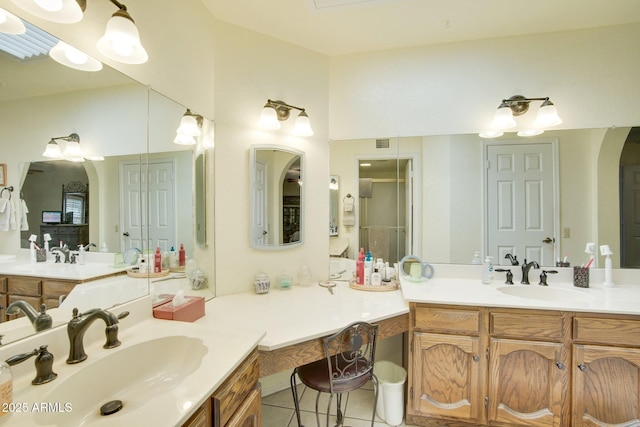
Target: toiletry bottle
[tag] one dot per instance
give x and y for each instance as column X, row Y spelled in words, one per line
column 6, row 387
column 157, row 261
column 487, row 271
column 181, row 256
column 476, row 259
column 360, row 268
column 80, row 254
column 368, row 264
column 376, row 278
column 386, row 277
column 173, row 258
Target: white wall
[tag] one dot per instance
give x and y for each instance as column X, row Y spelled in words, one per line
column 455, row 88
column 251, row 68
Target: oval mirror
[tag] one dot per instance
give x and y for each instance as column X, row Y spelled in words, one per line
column 276, row 177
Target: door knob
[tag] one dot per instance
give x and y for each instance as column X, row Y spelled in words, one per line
column 549, row 240
column 264, row 233
column 126, row 234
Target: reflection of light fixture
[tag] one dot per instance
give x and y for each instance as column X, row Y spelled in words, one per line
column 518, row 105
column 365, row 165
column 121, row 40
column 10, row 23
column 188, row 129
column 71, row 152
column 61, row 11
column 276, row 111
column 69, row 56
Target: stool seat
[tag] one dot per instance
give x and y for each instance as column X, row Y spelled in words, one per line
column 347, row 366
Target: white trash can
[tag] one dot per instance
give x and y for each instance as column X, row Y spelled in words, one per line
column 391, row 380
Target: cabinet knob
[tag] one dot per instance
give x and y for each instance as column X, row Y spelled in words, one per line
column 560, row 365
column 582, row 367
column 476, row 358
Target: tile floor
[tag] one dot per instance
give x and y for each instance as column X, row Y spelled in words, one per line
column 277, row 409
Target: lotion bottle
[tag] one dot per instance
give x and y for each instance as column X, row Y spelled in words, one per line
column 360, row 269
column 376, row 278
column 487, row 271
column 157, row 261
column 181, row 256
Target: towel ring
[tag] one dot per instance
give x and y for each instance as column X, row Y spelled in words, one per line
column 348, row 196
column 9, row 189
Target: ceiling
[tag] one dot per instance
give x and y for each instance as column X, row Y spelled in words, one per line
column 337, row 27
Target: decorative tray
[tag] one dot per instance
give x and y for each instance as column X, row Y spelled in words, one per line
column 383, row 287
column 177, row 269
column 137, row 274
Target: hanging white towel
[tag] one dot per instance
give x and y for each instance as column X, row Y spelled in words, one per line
column 5, row 213
column 348, row 204
column 13, row 215
column 348, row 214
column 24, row 210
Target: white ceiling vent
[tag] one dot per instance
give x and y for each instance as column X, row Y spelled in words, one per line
column 382, row 143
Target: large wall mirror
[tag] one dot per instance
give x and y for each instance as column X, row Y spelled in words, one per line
column 140, row 191
column 277, row 197
column 447, row 215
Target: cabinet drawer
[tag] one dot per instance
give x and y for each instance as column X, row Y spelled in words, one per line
column 527, row 326
column 3, row 284
column 235, row 389
column 607, row 331
column 55, row 289
column 24, row 286
column 447, row 320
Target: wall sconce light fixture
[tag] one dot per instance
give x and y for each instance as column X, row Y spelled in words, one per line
column 276, row 111
column 518, row 105
column 121, row 40
column 10, row 23
column 189, row 128
column 72, row 150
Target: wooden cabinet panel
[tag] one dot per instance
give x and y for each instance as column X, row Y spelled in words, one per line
column 625, row 332
column 528, row 383
column 249, row 414
column 34, row 301
column 606, row 381
column 18, row 285
column 447, row 320
column 201, row 418
column 448, row 374
column 3, row 284
column 544, row 326
column 235, row 389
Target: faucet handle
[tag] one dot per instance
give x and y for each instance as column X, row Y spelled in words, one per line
column 509, row 280
column 43, row 363
column 543, row 277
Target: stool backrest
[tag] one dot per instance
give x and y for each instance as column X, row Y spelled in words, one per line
column 350, row 354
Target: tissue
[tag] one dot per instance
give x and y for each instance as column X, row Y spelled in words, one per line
column 179, row 299
column 180, row 307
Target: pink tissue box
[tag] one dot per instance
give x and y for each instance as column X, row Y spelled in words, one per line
column 190, row 311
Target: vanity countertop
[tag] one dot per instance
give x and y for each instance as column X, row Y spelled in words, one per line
column 464, row 289
column 304, row 312
column 61, row 271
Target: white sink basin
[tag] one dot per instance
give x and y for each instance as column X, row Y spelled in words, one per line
column 546, row 293
column 134, row 375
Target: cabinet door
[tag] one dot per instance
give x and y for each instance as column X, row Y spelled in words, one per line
column 448, row 377
column 606, row 381
column 528, row 383
column 249, row 414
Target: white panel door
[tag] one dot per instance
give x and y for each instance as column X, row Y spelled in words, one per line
column 131, row 213
column 521, row 202
column 162, row 207
column 259, row 223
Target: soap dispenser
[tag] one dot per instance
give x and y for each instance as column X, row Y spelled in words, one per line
column 487, row 270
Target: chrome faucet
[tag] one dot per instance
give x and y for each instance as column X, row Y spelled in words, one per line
column 88, row 246
column 61, row 250
column 79, row 324
column 40, row 321
column 525, row 271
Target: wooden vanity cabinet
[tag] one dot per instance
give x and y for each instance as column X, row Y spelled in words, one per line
column 236, row 403
column 23, row 288
column 606, row 370
column 3, row 298
column 480, row 366
column 529, row 368
column 448, row 367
